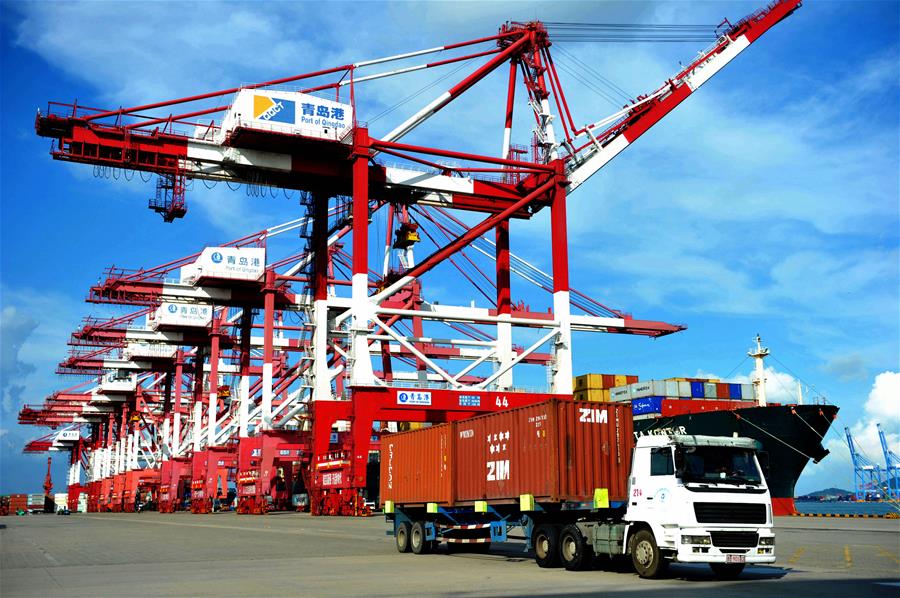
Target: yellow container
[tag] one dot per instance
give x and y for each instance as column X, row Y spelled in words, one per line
column 588, row 381
column 620, row 381
column 594, row 395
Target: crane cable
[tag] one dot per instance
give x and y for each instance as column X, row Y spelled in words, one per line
column 628, row 32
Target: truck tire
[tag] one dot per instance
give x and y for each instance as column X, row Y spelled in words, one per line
column 726, row 571
column 545, row 541
column 574, row 552
column 417, row 541
column 402, row 536
column 646, row 556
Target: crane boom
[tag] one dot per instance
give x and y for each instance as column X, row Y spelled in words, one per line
column 237, row 151
column 629, row 124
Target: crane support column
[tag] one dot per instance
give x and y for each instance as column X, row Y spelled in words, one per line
column 213, row 380
column 362, row 373
column 268, row 350
column 562, row 348
column 504, row 299
column 176, row 407
column 321, row 390
column 504, row 307
column 244, row 383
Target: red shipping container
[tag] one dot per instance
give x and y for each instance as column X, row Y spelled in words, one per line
column 723, row 391
column 416, row 466
column 609, row 381
column 631, row 379
column 555, row 451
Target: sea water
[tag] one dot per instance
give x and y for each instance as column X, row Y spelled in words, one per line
column 848, row 508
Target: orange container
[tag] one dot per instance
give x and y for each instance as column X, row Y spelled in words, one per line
column 555, row 451
column 416, row 466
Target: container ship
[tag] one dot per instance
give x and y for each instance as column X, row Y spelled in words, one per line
column 791, row 434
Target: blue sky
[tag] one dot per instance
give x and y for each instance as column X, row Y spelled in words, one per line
column 767, row 203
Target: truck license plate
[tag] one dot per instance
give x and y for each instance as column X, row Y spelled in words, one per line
column 735, row 558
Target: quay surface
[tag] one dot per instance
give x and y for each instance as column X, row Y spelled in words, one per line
column 149, row 554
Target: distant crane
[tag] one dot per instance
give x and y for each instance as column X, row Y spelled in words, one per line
column 48, row 489
column 868, row 479
column 891, row 467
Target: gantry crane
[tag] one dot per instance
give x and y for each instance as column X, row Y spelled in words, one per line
column 310, row 388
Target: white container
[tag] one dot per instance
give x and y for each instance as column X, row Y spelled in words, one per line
column 747, row 392
column 178, row 315
column 652, row 388
column 227, row 263
column 286, row 112
column 671, row 388
column 710, row 391
column 684, row 389
column 621, row 393
column 639, row 390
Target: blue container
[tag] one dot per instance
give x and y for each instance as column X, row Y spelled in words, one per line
column 646, row 405
column 734, row 390
column 697, row 390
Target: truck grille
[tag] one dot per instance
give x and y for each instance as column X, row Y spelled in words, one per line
column 715, row 512
column 734, row 539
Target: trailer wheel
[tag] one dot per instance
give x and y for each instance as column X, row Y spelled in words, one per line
column 402, row 536
column 545, row 541
column 645, row 555
column 726, row 571
column 417, row 540
column 574, row 552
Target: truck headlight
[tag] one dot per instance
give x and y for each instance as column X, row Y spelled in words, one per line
column 695, row 540
column 767, row 541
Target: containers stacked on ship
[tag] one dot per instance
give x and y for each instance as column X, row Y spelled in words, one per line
column 596, row 388
column 541, row 467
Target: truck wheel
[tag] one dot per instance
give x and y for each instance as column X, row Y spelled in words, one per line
column 545, row 541
column 402, row 536
column 574, row 551
column 645, row 555
column 417, row 540
column 726, row 571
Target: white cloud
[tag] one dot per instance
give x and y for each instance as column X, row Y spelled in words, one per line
column 881, row 407
column 884, row 399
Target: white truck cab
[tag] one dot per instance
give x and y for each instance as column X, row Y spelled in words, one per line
column 697, row 499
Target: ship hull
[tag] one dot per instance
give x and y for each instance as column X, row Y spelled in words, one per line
column 791, row 436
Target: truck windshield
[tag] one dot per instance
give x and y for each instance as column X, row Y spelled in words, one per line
column 719, row 465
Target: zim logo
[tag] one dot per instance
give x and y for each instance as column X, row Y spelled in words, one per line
column 498, row 471
column 273, row 109
column 592, row 416
column 216, row 257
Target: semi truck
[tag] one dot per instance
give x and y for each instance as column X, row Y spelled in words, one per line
column 573, row 477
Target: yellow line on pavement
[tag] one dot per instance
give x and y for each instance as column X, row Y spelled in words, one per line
column 797, row 554
column 848, row 558
column 882, row 551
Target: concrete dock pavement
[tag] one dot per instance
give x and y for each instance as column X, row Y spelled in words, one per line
column 289, row 554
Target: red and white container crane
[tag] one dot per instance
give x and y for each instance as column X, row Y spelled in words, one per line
column 345, row 340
